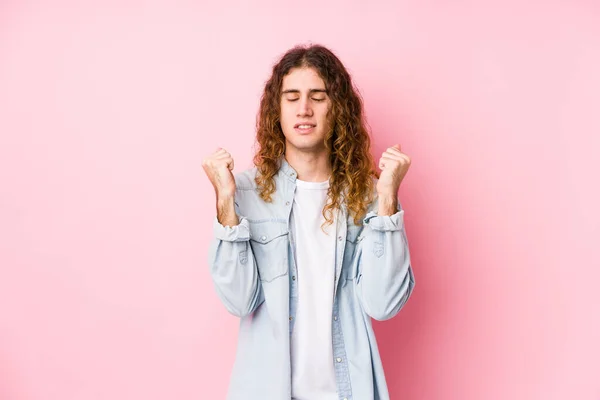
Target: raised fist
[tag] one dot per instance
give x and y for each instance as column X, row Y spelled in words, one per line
column 218, row 167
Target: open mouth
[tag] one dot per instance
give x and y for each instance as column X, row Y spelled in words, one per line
column 304, row 128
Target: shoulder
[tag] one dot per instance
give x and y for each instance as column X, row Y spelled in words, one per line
column 245, row 180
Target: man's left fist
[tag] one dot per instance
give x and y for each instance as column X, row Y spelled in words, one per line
column 394, row 165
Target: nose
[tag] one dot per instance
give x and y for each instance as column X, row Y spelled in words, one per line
column 304, row 108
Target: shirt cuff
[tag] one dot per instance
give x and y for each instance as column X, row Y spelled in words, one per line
column 392, row 222
column 236, row 233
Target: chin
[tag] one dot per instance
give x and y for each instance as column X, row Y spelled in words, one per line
column 306, row 147
column 311, row 142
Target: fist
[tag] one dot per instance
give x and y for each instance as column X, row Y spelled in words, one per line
column 394, row 165
column 218, row 167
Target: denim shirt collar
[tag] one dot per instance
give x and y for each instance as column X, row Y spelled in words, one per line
column 286, row 170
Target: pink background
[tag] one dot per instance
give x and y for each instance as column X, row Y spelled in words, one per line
column 107, row 109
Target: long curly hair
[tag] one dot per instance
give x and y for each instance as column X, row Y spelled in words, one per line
column 348, row 142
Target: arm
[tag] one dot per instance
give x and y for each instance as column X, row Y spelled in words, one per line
column 384, row 279
column 232, row 265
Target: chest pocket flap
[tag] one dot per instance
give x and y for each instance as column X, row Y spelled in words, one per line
column 269, row 241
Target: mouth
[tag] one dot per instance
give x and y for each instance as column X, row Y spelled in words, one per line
column 304, row 128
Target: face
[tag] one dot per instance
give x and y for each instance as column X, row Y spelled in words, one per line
column 305, row 105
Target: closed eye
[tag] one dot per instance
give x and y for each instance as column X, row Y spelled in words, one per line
column 312, row 98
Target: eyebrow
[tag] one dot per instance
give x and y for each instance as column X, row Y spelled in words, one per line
column 310, row 91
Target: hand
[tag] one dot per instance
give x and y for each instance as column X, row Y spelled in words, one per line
column 218, row 167
column 394, row 165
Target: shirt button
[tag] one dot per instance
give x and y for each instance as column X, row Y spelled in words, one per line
column 263, row 238
column 291, row 174
column 339, row 238
column 291, row 318
column 335, row 318
column 287, row 203
column 294, row 277
column 338, row 359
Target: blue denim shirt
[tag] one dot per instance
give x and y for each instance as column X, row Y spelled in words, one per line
column 253, row 270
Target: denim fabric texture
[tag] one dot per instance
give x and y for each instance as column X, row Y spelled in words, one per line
column 254, row 274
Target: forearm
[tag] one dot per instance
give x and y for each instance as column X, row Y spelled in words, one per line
column 387, row 205
column 226, row 214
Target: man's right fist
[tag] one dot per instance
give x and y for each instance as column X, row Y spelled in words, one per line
column 218, row 167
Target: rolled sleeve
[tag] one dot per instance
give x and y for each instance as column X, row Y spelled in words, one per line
column 394, row 222
column 237, row 233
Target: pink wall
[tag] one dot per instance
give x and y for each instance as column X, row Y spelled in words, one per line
column 107, row 110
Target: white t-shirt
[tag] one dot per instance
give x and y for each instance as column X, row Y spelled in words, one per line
column 313, row 375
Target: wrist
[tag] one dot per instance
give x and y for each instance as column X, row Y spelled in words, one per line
column 224, row 198
column 388, row 204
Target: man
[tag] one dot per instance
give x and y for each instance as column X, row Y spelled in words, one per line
column 309, row 245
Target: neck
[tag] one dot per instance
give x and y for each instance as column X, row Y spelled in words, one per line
column 311, row 167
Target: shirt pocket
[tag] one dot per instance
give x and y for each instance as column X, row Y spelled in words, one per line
column 353, row 238
column 270, row 241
